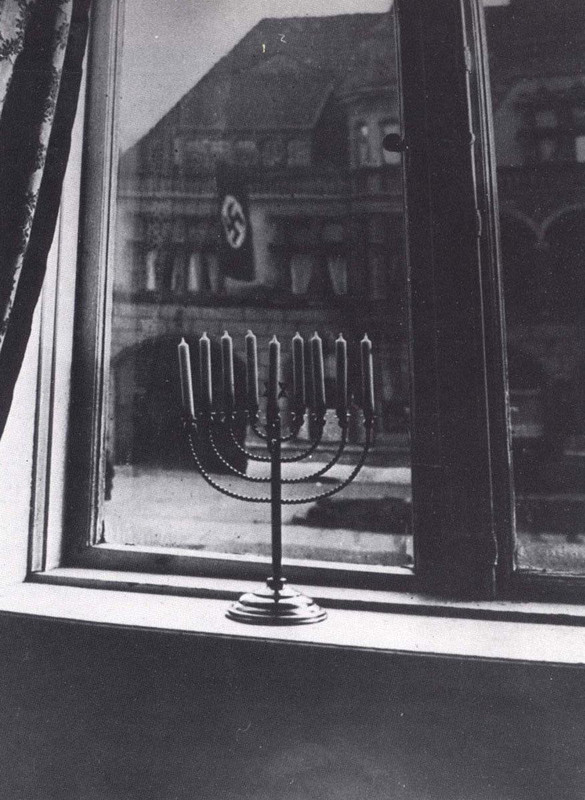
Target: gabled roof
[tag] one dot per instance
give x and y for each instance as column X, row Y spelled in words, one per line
column 374, row 62
column 279, row 76
column 279, row 93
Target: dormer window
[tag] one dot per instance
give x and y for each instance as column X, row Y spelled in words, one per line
column 363, row 145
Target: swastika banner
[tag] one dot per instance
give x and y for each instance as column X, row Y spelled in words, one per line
column 236, row 250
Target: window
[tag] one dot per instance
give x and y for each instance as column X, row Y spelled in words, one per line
column 553, row 116
column 299, row 153
column 151, row 280
column 273, row 152
column 306, row 270
column 363, row 146
column 544, row 292
column 434, row 509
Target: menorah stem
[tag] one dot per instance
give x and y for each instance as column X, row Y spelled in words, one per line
column 276, row 502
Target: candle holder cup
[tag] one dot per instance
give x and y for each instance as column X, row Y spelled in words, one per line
column 276, row 603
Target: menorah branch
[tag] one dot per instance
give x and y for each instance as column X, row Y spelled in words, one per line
column 308, row 478
column 214, row 484
column 315, row 442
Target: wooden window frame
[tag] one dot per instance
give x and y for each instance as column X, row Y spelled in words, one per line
column 461, row 450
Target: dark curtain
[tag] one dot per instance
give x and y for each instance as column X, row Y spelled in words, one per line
column 42, row 43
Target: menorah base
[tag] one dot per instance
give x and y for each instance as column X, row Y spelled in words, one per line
column 272, row 605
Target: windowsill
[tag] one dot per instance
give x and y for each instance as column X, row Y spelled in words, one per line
column 502, row 631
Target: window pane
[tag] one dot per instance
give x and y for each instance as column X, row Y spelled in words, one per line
column 289, row 114
column 538, row 81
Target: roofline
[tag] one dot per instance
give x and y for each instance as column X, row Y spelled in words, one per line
column 305, row 17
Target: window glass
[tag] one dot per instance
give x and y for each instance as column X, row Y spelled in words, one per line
column 214, row 95
column 537, row 77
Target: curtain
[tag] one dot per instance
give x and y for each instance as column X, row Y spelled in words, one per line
column 42, row 44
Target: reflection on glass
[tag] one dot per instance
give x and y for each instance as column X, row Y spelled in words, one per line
column 538, row 93
column 264, row 135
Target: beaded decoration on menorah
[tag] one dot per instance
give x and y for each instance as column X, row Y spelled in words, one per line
column 276, row 603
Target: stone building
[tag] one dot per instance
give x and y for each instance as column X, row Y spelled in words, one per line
column 302, row 106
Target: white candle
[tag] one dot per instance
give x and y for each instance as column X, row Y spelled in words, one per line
column 273, row 376
column 251, row 372
column 298, row 354
column 367, row 375
column 310, row 385
column 205, row 372
column 341, row 373
column 227, row 366
column 318, row 372
column 186, row 379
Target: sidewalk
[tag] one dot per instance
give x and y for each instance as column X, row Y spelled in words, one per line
column 174, row 508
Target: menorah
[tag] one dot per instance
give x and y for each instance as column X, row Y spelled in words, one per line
column 277, row 603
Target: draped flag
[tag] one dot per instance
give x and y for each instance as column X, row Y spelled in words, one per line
column 236, row 251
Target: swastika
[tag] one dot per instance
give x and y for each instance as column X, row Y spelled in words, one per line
column 234, row 222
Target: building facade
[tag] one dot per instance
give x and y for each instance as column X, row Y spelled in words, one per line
column 301, row 106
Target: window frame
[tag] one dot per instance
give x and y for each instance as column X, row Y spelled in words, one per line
column 461, row 550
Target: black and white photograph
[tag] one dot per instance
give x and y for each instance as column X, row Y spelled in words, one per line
column 292, row 400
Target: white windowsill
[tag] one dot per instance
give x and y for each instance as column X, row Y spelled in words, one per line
column 417, row 626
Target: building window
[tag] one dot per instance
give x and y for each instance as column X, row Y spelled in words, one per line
column 196, row 275
column 178, row 271
column 302, row 268
column 198, row 156
column 337, row 269
column 246, row 153
column 273, row 152
column 299, row 153
column 580, row 148
column 447, row 525
column 151, row 283
column 178, row 151
column 363, row 145
column 554, row 123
